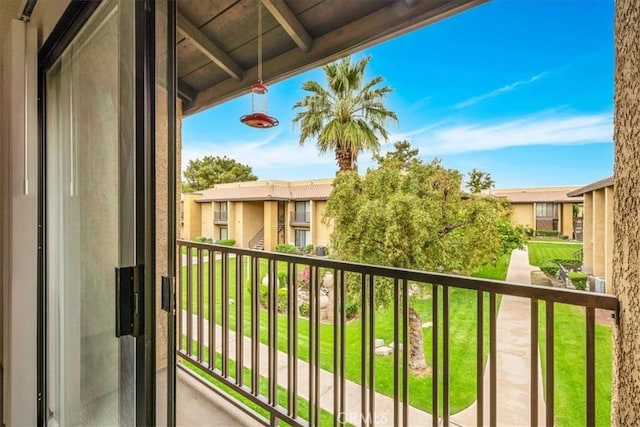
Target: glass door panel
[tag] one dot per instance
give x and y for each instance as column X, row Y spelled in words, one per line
column 90, row 215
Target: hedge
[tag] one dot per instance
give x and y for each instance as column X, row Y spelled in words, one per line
column 578, row 279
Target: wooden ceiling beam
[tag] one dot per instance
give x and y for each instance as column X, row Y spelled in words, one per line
column 186, row 92
column 289, row 23
column 377, row 27
column 208, row 48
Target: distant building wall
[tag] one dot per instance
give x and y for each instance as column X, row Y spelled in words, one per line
column 320, row 232
column 249, row 222
column 192, row 220
column 598, row 234
column 566, row 219
column 270, row 222
column 524, row 214
column 587, row 233
column 206, row 220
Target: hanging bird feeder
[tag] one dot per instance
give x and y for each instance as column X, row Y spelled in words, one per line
column 259, row 117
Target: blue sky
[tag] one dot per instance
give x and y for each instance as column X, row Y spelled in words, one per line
column 522, row 89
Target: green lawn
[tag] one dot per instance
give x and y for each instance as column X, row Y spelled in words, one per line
column 569, row 369
column 541, row 251
column 462, row 332
column 569, row 340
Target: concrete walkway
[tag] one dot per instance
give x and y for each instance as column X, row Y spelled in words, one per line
column 513, row 358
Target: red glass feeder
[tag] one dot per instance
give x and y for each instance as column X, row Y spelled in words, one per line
column 259, row 117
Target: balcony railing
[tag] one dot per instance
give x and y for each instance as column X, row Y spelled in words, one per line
column 270, row 333
column 220, row 217
column 300, row 218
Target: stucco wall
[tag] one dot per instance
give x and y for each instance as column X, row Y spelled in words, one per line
column 566, row 219
column 598, row 238
column 608, row 239
column 270, row 222
column 587, row 233
column 248, row 221
column 320, row 233
column 192, row 225
column 524, row 214
column 206, row 220
column 626, row 226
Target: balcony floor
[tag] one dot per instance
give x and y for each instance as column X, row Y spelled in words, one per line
column 197, row 405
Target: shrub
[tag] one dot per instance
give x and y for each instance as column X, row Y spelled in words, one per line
column 569, row 264
column 308, row 249
column 281, row 298
column 227, row 242
column 288, row 248
column 547, row 233
column 200, row 239
column 264, row 295
column 304, row 309
column 351, row 310
column 550, row 267
column 528, row 231
column 283, row 294
column 282, row 279
column 304, row 278
column 579, row 280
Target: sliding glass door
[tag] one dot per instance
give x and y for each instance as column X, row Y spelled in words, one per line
column 100, row 136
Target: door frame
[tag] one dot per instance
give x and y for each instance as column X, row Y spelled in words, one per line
column 75, row 16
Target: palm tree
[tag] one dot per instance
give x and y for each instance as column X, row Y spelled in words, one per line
column 346, row 117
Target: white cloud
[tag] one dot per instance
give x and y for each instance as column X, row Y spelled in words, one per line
column 549, row 127
column 499, row 91
column 538, row 129
column 263, row 154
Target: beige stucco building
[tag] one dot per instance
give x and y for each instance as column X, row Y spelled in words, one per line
column 545, row 209
column 259, row 214
column 598, row 230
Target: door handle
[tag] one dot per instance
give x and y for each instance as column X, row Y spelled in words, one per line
column 130, row 301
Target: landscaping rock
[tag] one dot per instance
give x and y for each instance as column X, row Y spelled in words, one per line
column 324, row 301
column 393, row 345
column 379, row 342
column 427, row 324
column 384, row 351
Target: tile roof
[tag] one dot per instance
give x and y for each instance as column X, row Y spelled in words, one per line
column 607, row 182
column 268, row 190
column 538, row 195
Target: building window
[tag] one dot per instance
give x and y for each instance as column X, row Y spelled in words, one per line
column 224, row 233
column 303, row 238
column 303, row 212
column 221, row 214
column 546, row 210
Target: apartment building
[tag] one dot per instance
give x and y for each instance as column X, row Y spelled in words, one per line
column 260, row 214
column 546, row 209
column 598, row 231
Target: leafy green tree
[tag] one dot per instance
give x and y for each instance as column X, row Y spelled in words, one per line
column 479, row 181
column 207, row 172
column 411, row 214
column 402, row 157
column 348, row 116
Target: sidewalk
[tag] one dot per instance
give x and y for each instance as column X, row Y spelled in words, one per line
column 513, row 358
